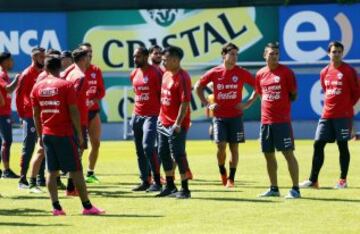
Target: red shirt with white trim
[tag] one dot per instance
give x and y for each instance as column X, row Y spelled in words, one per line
column 4, row 81
column 77, row 78
column 53, row 96
column 341, row 89
column 26, row 82
column 275, row 87
column 96, row 87
column 175, row 89
column 147, row 86
column 228, row 88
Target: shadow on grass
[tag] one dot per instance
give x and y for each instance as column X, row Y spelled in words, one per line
column 121, row 194
column 22, row 197
column 216, row 191
column 330, row 199
column 232, row 199
column 24, row 212
column 218, row 182
column 108, row 193
column 13, row 224
column 130, row 216
column 101, row 186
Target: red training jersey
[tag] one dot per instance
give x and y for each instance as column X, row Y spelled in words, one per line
column 77, row 78
column 26, row 82
column 275, row 87
column 175, row 89
column 53, row 96
column 66, row 72
column 42, row 76
column 96, row 87
column 341, row 89
column 147, row 87
column 228, row 87
column 4, row 81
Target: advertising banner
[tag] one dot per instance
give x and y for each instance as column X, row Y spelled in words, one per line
column 21, row 32
column 306, row 30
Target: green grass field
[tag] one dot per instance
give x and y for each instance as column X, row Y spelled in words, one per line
column 212, row 208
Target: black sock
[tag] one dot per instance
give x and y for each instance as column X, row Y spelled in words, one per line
column 296, row 188
column 90, row 173
column 70, row 185
column 32, row 181
column 317, row 161
column 275, row 188
column 87, row 205
column 157, row 178
column 344, row 158
column 232, row 174
column 56, row 205
column 170, row 181
column 222, row 169
column 185, row 185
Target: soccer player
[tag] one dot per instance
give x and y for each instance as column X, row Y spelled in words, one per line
column 66, row 59
column 56, row 114
column 228, row 80
column 146, row 81
column 76, row 76
column 23, row 105
column 276, row 85
column 174, row 121
column 95, row 92
column 6, row 88
column 155, row 53
column 37, row 163
column 341, row 92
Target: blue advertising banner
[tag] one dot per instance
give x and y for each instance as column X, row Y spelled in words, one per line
column 309, row 103
column 21, row 32
column 306, row 30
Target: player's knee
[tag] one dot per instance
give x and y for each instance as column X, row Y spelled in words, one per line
column 95, row 144
column 221, row 146
column 319, row 145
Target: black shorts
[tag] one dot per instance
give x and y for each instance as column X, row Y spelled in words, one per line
column 330, row 130
column 92, row 114
column 229, row 130
column 61, row 153
column 277, row 136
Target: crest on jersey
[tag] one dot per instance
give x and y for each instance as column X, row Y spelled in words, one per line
column 340, row 76
column 146, row 79
column 235, row 79
column 277, row 79
column 93, row 75
column 220, row 86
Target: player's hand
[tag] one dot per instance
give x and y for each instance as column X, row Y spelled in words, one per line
column 241, row 106
column 212, row 107
column 81, row 141
column 176, row 128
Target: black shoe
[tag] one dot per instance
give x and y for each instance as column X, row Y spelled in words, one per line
column 167, row 191
column 154, row 188
column 183, row 194
column 9, row 174
column 141, row 187
column 0, row 172
column 23, row 183
column 40, row 181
